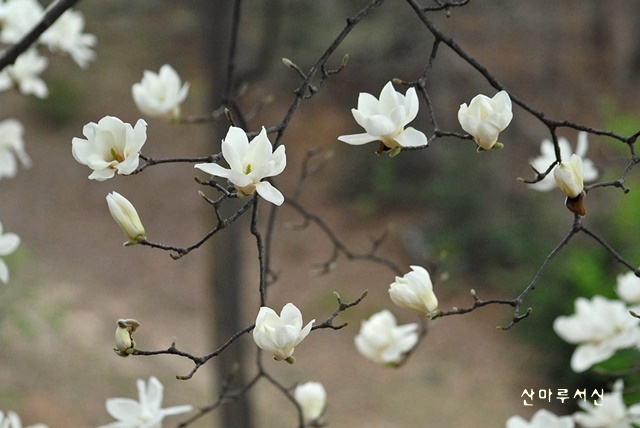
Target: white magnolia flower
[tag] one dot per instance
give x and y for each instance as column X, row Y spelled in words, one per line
column 280, row 334
column 486, row 117
column 628, row 288
column 9, row 242
column 18, row 17
column 385, row 119
column 12, row 148
column 12, row 420
column 250, row 162
column 125, row 345
column 111, row 147
column 381, row 340
column 160, row 94
column 66, row 35
column 548, row 157
column 610, row 413
column 24, row 74
column 125, row 214
column 569, row 176
column 415, row 291
column 599, row 327
column 144, row 413
column 541, row 419
column 312, row 399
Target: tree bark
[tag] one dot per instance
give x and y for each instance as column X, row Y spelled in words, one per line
column 226, row 255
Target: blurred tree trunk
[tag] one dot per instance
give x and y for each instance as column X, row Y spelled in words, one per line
column 617, row 40
column 226, row 256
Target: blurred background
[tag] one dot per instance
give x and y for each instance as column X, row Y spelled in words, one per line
column 446, row 206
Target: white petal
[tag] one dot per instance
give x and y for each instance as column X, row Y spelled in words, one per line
column 411, row 137
column 4, row 272
column 9, row 242
column 290, row 314
column 367, row 105
column 379, row 125
column 269, row 193
column 357, row 139
column 585, row 356
column 136, row 138
column 153, row 396
column 389, row 98
column 234, row 148
column 502, row 101
column 213, row 169
column 583, row 144
column 176, row 410
column 279, row 158
column 412, row 104
column 239, row 179
column 123, row 409
column 260, row 150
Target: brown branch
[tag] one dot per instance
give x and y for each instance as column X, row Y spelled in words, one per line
column 341, row 308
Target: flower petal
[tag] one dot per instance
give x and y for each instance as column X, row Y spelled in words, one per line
column 176, row 410
column 259, row 151
column 357, row 139
column 4, row 272
column 411, row 104
column 389, row 99
column 123, row 409
column 151, row 396
column 234, row 148
column 269, row 193
column 411, row 137
column 367, row 105
column 213, row 169
column 379, row 125
column 9, row 242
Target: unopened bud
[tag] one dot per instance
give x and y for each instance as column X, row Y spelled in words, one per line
column 125, row 214
column 345, row 59
column 287, row 62
column 125, row 345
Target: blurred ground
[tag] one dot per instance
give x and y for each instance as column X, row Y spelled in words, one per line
column 72, row 279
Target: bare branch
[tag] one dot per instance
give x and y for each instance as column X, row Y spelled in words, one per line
column 341, row 308
column 339, row 246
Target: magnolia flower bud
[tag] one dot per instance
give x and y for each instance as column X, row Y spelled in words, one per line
column 287, row 62
column 280, row 334
column 415, row 291
column 485, row 118
column 125, row 345
column 312, row 399
column 568, row 176
column 125, row 214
